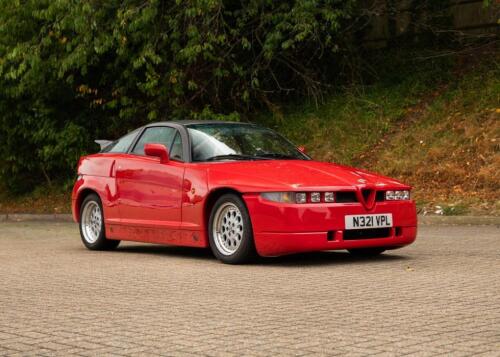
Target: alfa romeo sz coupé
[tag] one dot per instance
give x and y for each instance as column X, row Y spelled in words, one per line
column 237, row 188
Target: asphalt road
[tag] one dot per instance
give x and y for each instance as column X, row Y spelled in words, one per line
column 440, row 296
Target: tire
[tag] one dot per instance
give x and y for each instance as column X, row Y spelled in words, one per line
column 91, row 225
column 230, row 231
column 366, row 252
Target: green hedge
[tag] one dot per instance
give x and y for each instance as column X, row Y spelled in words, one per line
column 73, row 71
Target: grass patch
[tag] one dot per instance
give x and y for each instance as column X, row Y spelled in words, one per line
column 455, row 210
column 437, row 129
column 452, row 154
column 350, row 122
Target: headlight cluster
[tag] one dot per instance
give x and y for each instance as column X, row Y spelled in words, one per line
column 299, row 197
column 397, row 195
column 329, row 197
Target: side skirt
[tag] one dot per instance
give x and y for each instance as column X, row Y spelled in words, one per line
column 187, row 238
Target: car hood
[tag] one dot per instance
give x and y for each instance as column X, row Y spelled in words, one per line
column 272, row 175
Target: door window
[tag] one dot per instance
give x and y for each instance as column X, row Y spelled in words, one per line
column 155, row 135
column 122, row 144
column 176, row 149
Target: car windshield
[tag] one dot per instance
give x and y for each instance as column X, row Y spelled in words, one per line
column 211, row 142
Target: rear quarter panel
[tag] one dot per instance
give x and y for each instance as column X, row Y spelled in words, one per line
column 96, row 174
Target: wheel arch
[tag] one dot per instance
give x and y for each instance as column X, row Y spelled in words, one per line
column 79, row 199
column 247, row 250
column 212, row 197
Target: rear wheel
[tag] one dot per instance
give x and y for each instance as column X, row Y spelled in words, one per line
column 366, row 252
column 92, row 229
column 230, row 230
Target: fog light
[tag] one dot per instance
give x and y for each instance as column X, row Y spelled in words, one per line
column 329, row 197
column 301, row 197
column 315, row 197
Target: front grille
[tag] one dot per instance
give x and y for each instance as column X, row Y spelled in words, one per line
column 350, row 196
column 345, row 196
column 366, row 194
column 353, row 234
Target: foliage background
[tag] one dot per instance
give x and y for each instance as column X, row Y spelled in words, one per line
column 75, row 71
column 71, row 71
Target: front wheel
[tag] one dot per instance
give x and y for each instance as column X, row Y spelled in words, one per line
column 366, row 252
column 230, row 230
column 92, row 225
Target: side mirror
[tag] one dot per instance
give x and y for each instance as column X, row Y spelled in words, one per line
column 302, row 149
column 157, row 150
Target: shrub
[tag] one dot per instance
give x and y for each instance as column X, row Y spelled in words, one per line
column 72, row 71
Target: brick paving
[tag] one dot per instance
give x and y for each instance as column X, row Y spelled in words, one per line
column 440, row 296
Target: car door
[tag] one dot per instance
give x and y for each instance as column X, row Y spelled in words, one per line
column 150, row 192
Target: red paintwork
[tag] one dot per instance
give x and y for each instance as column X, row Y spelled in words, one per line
column 149, row 201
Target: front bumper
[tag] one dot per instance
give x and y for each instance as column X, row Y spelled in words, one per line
column 274, row 244
column 292, row 228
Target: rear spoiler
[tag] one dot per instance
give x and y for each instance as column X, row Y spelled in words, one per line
column 103, row 143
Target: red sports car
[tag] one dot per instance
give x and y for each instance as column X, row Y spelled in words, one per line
column 239, row 188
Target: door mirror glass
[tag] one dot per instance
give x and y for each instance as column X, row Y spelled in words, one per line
column 157, row 150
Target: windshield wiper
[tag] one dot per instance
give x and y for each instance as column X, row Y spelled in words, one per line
column 278, row 156
column 234, row 157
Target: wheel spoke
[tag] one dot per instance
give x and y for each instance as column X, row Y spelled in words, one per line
column 91, row 222
column 228, row 228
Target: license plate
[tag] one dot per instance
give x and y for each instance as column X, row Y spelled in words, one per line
column 366, row 221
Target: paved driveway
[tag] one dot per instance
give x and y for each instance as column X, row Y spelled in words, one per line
column 438, row 296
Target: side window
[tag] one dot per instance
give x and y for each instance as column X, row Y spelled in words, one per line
column 176, row 150
column 122, row 144
column 155, row 135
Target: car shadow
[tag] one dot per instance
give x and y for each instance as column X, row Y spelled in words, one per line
column 167, row 250
column 300, row 259
column 328, row 258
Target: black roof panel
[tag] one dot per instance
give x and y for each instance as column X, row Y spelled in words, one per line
column 192, row 122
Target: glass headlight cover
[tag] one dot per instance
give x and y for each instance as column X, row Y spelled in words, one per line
column 397, row 195
column 315, row 197
column 300, row 197
column 285, row 197
column 329, row 197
